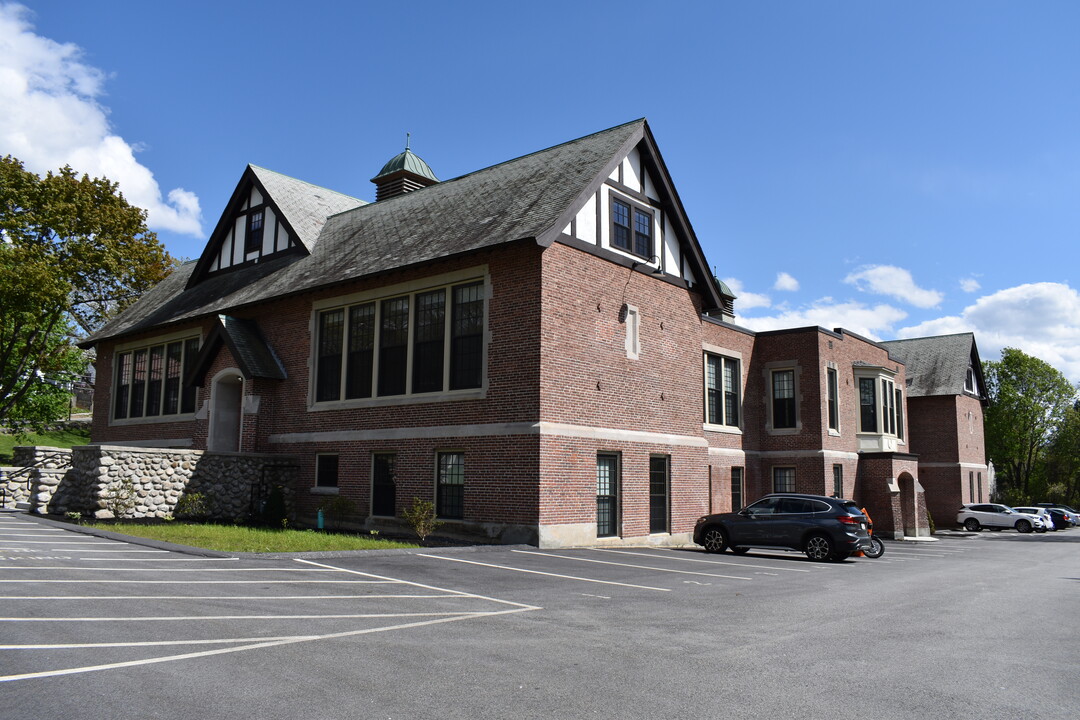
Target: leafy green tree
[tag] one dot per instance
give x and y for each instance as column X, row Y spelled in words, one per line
column 73, row 254
column 1063, row 460
column 1029, row 400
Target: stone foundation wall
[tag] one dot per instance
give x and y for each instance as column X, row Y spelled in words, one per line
column 109, row 481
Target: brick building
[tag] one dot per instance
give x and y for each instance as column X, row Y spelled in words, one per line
column 538, row 347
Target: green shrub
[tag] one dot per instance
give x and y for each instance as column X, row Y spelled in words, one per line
column 192, row 506
column 337, row 509
column 421, row 518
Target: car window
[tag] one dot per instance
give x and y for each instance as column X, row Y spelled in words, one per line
column 763, row 507
column 793, row 505
column 982, row 508
column 849, row 507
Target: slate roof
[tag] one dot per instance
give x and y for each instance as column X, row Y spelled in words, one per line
column 524, row 198
column 251, row 352
column 937, row 365
column 304, row 205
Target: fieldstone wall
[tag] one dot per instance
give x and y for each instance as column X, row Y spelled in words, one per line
column 109, row 481
column 37, row 473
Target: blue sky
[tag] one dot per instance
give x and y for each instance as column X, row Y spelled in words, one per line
column 895, row 168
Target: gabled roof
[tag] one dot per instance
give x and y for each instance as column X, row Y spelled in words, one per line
column 528, row 198
column 938, row 365
column 252, row 353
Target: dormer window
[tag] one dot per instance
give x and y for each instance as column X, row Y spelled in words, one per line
column 631, row 228
column 254, row 238
column 969, row 382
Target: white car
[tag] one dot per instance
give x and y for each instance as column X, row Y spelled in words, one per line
column 1043, row 513
column 992, row 515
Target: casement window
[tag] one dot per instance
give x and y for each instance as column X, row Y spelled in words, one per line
column 722, row 379
column 326, row 470
column 403, row 345
column 838, row 481
column 737, row 489
column 149, row 380
column 253, row 238
column 631, row 228
column 783, row 399
column 659, row 490
column 783, row 479
column 868, row 405
column 833, row 389
column 450, row 485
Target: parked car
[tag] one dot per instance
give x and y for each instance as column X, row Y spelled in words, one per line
column 1043, row 513
column 824, row 528
column 1063, row 519
column 992, row 515
column 1073, row 516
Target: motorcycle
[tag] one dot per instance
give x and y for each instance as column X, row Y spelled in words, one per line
column 877, row 548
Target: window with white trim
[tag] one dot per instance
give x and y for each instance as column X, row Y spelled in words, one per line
column 833, row 390
column 408, row 344
column 631, row 228
column 722, row 379
column 148, row 381
column 880, row 404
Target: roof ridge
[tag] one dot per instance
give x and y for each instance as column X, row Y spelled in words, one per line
column 253, row 166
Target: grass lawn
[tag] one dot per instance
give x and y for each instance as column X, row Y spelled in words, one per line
column 58, row 438
column 239, row 538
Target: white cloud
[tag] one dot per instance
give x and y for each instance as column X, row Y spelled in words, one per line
column 894, row 282
column 1037, row 318
column 969, row 285
column 873, row 322
column 785, row 282
column 51, row 117
column 744, row 299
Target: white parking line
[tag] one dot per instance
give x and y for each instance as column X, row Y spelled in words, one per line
column 165, row 570
column 676, row 556
column 153, row 643
column 62, row 542
column 537, row 572
column 243, row 648
column 208, row 582
column 638, row 567
column 230, row 597
column 197, row 618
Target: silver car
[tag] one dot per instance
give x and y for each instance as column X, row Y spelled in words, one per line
column 992, row 515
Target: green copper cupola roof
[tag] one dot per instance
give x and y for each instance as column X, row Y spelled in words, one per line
column 404, row 173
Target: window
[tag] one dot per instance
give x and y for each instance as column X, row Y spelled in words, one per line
column 721, row 390
column 783, row 479
column 631, row 228
column 607, row 495
column 888, row 398
column 450, row 490
column 899, row 414
column 834, row 398
column 326, row 470
column 149, row 381
column 838, row 481
column 868, row 405
column 969, row 381
column 783, row 399
column 383, row 489
column 402, row 345
column 659, row 482
column 254, row 236
column 736, row 488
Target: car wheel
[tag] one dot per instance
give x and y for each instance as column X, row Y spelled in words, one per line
column 740, row 550
column 1040, row 530
column 714, row 540
column 818, row 547
column 1023, row 526
column 972, row 525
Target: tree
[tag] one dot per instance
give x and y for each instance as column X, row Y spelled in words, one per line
column 73, row 254
column 1063, row 460
column 1028, row 402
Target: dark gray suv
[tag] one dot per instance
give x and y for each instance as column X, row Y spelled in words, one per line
column 824, row 528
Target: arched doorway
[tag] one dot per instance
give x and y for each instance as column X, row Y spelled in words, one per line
column 226, row 396
column 913, row 506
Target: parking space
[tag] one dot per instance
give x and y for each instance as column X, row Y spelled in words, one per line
column 75, row 603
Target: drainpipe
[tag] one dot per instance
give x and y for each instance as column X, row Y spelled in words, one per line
column 915, row 504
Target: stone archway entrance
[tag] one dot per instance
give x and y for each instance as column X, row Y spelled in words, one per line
column 913, row 506
column 226, row 397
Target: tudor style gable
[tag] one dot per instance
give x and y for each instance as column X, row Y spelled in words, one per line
column 268, row 215
column 633, row 214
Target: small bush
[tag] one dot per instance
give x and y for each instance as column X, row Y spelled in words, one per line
column 421, row 518
column 337, row 509
column 120, row 499
column 192, row 506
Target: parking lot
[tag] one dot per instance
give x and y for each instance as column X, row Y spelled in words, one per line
column 95, row 627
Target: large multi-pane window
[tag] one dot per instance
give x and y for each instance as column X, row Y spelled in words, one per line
column 783, row 398
column 783, row 479
column 402, row 345
column 149, row 381
column 831, row 380
column 607, row 495
column 631, row 228
column 868, row 405
column 881, row 408
column 450, row 486
column 721, row 390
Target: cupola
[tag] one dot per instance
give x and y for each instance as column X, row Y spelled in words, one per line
column 404, row 173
